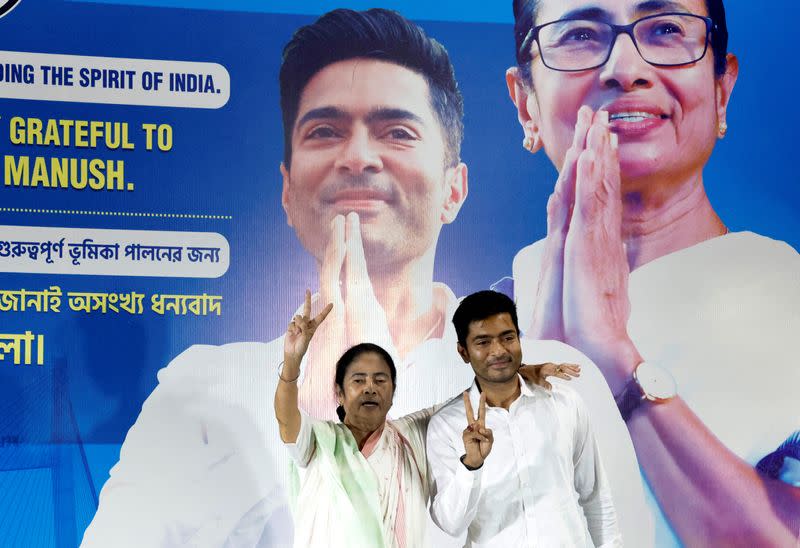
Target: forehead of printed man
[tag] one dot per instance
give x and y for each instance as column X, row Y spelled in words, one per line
column 378, row 34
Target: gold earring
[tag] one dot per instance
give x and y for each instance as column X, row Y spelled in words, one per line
column 527, row 143
column 723, row 129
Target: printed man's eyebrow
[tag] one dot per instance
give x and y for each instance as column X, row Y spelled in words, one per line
column 323, row 113
column 390, row 113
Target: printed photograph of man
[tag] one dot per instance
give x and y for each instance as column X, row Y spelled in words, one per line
column 537, row 478
column 628, row 100
column 371, row 172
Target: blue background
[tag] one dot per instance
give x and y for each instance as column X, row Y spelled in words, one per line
column 67, row 419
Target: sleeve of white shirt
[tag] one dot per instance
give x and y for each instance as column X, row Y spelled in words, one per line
column 594, row 493
column 454, row 489
column 302, row 449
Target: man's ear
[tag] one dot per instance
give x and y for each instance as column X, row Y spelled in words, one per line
column 463, row 352
column 456, row 189
column 724, row 87
column 285, row 194
column 524, row 100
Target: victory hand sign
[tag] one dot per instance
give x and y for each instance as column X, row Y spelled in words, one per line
column 477, row 438
column 298, row 335
column 295, row 343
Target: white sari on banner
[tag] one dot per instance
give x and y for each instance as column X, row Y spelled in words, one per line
column 723, row 316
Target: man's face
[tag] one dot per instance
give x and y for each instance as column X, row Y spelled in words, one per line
column 493, row 349
column 366, row 140
column 367, row 391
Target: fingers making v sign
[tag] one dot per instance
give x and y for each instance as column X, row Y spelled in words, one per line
column 477, row 438
column 295, row 343
column 299, row 333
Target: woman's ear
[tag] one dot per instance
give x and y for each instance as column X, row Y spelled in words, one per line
column 724, row 89
column 524, row 99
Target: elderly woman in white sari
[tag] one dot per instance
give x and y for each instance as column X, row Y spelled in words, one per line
column 628, row 98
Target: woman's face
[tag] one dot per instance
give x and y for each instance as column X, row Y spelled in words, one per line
column 367, row 391
column 684, row 104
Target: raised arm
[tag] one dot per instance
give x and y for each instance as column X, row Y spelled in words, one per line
column 456, row 468
column 298, row 336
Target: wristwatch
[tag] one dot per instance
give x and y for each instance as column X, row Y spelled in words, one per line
column 650, row 382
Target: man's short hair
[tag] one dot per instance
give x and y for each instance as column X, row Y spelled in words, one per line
column 377, row 34
column 480, row 306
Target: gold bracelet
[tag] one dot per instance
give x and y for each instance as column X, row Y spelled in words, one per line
column 280, row 374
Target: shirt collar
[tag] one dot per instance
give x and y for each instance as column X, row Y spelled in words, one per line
column 525, row 391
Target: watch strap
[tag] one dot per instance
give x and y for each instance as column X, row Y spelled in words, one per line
column 629, row 399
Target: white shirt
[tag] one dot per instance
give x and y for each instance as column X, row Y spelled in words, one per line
column 543, row 483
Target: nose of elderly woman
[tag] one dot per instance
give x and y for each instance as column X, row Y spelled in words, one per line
column 625, row 68
column 370, row 387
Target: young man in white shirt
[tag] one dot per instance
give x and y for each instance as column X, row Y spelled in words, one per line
column 541, row 481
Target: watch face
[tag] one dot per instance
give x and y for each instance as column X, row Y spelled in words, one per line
column 656, row 382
